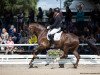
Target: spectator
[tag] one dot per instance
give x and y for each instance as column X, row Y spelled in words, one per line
column 68, row 18
column 24, row 36
column 32, row 40
column 80, row 20
column 20, row 20
column 91, row 39
column 4, row 35
column 15, row 36
column 7, row 16
column 82, row 47
column 10, row 48
column 98, row 35
column 91, row 43
column 50, row 16
column 40, row 15
column 95, row 15
column 11, row 30
column 1, row 41
column 86, row 32
column 1, row 25
column 31, row 16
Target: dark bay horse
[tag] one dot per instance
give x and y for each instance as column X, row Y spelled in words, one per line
column 68, row 41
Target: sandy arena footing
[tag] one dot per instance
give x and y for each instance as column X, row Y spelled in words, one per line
column 49, row 70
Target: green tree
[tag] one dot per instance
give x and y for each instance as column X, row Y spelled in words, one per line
column 13, row 5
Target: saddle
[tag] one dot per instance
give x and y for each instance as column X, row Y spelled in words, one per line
column 54, row 37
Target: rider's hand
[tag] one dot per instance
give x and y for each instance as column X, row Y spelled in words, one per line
column 48, row 27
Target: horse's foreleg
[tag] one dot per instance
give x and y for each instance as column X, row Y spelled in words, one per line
column 31, row 65
column 77, row 57
column 36, row 52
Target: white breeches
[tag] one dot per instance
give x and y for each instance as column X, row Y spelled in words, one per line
column 53, row 31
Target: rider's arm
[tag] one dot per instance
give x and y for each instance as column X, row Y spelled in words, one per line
column 56, row 23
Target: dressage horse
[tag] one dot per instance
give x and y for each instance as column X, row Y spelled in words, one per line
column 68, row 41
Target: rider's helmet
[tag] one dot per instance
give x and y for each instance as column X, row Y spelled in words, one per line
column 57, row 10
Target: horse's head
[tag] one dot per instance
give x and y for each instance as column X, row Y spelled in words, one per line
column 35, row 28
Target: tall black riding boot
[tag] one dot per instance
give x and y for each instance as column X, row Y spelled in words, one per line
column 51, row 38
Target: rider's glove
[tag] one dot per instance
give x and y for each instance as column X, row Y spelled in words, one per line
column 48, row 27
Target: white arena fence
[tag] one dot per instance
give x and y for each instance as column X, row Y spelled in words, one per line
column 4, row 45
column 44, row 59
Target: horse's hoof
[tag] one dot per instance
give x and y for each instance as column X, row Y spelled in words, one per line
column 31, row 66
column 35, row 67
column 75, row 66
column 61, row 65
column 46, row 64
column 63, row 57
column 52, row 68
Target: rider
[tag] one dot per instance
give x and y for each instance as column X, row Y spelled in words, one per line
column 56, row 27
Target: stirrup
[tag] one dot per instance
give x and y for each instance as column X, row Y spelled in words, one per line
column 52, row 45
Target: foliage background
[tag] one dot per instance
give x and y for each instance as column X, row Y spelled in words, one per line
column 15, row 5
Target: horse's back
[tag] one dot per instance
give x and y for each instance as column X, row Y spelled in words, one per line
column 71, row 38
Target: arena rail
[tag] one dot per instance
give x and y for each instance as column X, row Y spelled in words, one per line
column 44, row 59
column 2, row 45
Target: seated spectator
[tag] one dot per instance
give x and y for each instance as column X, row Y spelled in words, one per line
column 91, row 43
column 4, row 35
column 32, row 40
column 92, row 40
column 24, row 35
column 10, row 48
column 1, row 41
column 15, row 36
column 86, row 32
column 98, row 35
column 11, row 30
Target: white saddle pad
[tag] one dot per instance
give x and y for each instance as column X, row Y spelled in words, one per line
column 57, row 36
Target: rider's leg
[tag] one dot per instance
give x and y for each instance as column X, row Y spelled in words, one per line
column 55, row 30
column 52, row 32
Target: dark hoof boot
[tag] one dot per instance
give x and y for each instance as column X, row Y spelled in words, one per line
column 35, row 67
column 61, row 65
column 63, row 57
column 31, row 66
column 75, row 66
column 46, row 64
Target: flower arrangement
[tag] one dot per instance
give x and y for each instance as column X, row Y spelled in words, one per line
column 55, row 53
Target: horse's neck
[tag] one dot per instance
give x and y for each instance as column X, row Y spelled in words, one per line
column 42, row 33
column 39, row 32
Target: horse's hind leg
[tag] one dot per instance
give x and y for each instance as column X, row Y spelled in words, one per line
column 77, row 57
